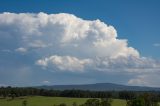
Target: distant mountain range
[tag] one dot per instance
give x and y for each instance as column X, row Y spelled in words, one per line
column 100, row 87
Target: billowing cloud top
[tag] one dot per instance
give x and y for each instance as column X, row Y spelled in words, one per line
column 64, row 31
column 65, row 42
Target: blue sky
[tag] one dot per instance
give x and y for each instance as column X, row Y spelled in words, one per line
column 34, row 61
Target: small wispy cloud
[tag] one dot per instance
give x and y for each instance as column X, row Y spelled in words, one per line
column 45, row 82
column 156, row 44
column 6, row 50
column 21, row 49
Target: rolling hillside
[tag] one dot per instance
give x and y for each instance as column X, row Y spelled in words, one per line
column 100, row 87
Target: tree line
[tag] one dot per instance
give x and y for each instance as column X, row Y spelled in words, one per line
column 29, row 91
column 133, row 98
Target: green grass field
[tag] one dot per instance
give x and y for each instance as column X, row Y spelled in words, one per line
column 49, row 101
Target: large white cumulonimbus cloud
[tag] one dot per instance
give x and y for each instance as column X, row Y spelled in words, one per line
column 66, row 42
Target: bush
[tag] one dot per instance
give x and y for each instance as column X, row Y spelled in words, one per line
column 74, row 104
column 144, row 100
column 136, row 102
column 106, row 101
column 62, row 104
column 98, row 102
column 92, row 102
column 24, row 103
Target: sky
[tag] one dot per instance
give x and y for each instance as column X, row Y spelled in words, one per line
column 79, row 42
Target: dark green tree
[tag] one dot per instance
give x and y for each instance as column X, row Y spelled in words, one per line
column 92, row 102
column 24, row 103
column 136, row 102
column 62, row 104
column 106, row 101
column 74, row 104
